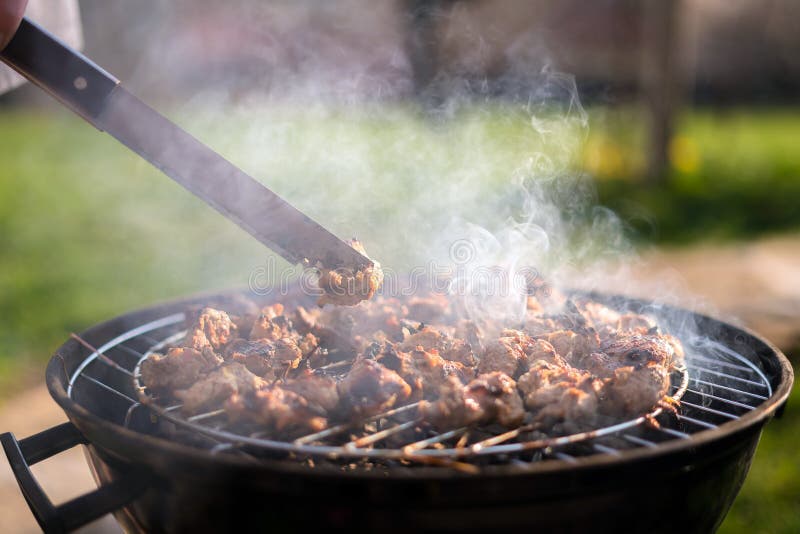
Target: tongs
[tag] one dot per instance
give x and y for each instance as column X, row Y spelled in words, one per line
column 98, row 97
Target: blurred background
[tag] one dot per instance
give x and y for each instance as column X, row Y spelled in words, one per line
column 386, row 119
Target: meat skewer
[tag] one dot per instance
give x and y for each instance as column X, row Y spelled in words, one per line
column 287, row 371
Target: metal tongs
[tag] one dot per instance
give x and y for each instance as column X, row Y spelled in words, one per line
column 98, row 97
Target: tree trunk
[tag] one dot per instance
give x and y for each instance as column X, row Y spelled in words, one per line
column 661, row 81
column 422, row 47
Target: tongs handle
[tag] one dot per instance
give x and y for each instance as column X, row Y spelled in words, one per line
column 66, row 74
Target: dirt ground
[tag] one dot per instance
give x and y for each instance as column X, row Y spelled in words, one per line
column 756, row 284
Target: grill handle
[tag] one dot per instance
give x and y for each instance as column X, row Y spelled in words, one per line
column 66, row 517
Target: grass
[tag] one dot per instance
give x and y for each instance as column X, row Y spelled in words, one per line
column 735, row 174
column 88, row 231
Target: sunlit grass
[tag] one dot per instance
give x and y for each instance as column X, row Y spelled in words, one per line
column 89, row 232
column 734, row 174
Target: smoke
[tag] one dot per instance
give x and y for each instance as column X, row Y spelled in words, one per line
column 492, row 163
column 317, row 103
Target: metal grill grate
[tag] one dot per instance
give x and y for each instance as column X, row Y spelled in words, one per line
column 716, row 386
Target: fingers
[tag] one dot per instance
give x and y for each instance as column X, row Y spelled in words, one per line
column 11, row 12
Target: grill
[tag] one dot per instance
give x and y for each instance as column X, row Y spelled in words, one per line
column 716, row 386
column 714, row 402
column 389, row 471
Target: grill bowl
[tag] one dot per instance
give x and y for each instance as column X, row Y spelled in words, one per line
column 157, row 484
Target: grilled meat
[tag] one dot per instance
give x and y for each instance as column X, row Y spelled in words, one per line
column 271, row 324
column 345, row 287
column 566, row 364
column 302, row 404
column 276, row 408
column 455, row 350
column 630, row 351
column 308, row 344
column 267, row 359
column 599, row 314
column 503, row 355
column 453, row 409
column 255, row 355
column 555, row 393
column 287, row 354
column 609, row 323
column 471, row 333
column 458, row 351
column 318, row 390
column 217, row 386
column 490, row 398
column 358, row 325
column 370, row 388
column 541, row 350
column 497, row 395
column 424, row 370
column 426, row 337
column 634, row 323
column 515, row 351
column 571, row 345
column 179, row 368
column 212, row 328
column 636, row 369
column 243, row 312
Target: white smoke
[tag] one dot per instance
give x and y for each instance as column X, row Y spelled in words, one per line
column 320, row 113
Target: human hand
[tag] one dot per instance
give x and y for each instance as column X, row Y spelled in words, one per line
column 11, row 12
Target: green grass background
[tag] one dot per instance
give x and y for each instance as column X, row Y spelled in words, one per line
column 88, row 231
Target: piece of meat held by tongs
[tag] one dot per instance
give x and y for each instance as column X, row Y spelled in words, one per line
column 346, row 286
column 348, row 275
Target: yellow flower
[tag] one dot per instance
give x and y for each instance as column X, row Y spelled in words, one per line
column 683, row 154
column 604, row 158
